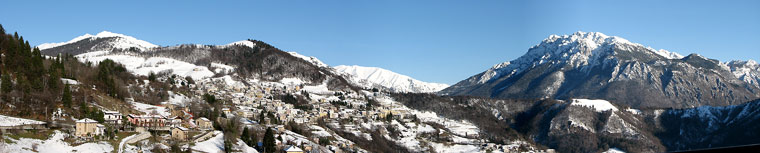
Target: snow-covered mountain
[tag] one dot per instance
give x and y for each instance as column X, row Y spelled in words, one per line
column 374, row 76
column 594, row 65
column 122, row 41
column 103, row 41
column 245, row 59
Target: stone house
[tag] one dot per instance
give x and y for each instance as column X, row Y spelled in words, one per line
column 204, row 123
column 88, row 127
column 179, row 133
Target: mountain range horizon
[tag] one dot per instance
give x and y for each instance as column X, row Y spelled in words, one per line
column 106, row 33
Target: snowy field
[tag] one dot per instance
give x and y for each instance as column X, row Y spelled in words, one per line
column 598, row 105
column 216, row 144
column 14, row 121
column 54, row 144
column 150, row 109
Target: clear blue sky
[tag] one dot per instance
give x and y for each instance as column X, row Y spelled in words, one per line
column 432, row 41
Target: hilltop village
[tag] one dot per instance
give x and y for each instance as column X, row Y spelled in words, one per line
column 130, row 100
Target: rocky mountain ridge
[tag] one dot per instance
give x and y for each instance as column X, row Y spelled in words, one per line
column 597, row 66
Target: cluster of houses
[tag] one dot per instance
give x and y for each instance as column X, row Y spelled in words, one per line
column 178, row 125
column 248, row 102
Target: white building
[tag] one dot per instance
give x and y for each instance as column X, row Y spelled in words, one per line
column 112, row 117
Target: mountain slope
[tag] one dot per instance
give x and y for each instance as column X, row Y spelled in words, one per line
column 597, row 66
column 710, row 127
column 373, row 76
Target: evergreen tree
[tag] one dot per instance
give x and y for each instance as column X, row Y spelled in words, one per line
column 37, row 70
column 273, row 119
column 97, row 115
column 210, row 99
column 389, row 117
column 246, row 137
column 23, row 84
column 106, row 69
column 152, row 77
column 53, row 80
column 227, row 146
column 7, row 85
column 190, row 80
column 83, row 108
column 261, row 116
column 66, row 96
column 269, row 142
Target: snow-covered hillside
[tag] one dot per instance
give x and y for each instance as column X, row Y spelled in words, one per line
column 371, row 76
column 122, row 41
column 143, row 66
column 310, row 59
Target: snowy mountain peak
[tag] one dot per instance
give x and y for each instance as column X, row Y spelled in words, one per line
column 104, row 34
column 578, row 50
column 374, row 76
column 122, row 41
column 588, row 38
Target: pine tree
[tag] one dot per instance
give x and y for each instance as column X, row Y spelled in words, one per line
column 227, row 146
column 389, row 117
column 210, row 99
column 23, row 84
column 37, row 69
column 7, row 85
column 152, row 77
column 246, row 137
column 66, row 96
column 83, row 108
column 54, row 79
column 261, row 116
column 269, row 142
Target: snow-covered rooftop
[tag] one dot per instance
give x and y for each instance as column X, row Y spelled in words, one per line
column 87, row 120
column 293, row 149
